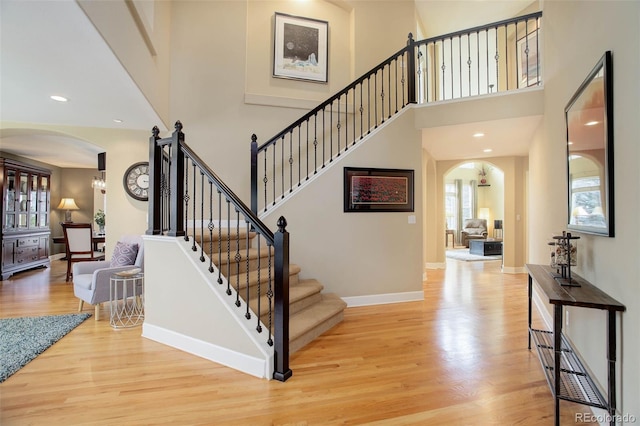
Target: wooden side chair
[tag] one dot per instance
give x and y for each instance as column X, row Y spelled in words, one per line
column 79, row 244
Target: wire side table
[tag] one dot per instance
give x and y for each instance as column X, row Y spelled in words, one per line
column 126, row 299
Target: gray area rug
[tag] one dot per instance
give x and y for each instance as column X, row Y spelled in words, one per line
column 463, row 254
column 23, row 339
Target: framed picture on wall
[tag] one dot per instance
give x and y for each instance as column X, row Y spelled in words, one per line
column 300, row 48
column 378, row 190
column 528, row 60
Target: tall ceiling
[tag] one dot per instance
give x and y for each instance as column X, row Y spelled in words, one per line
column 59, row 52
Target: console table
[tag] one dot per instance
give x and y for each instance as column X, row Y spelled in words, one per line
column 566, row 375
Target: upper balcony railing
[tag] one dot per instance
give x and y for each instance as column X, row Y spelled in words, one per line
column 492, row 58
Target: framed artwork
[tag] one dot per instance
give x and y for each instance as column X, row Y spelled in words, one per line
column 528, row 60
column 300, row 48
column 378, row 190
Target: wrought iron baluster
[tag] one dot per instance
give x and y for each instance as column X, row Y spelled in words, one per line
column 469, row 61
column 323, row 137
column 486, row 40
column 460, row 63
column 186, row 197
column 478, row 58
column 361, row 113
column 290, row 162
column 238, row 258
column 259, row 295
column 315, row 144
column 497, row 57
column 201, row 217
column 395, row 61
column 375, row 96
column 211, row 227
column 220, row 237
column 193, row 217
column 506, row 54
column 451, row 64
column 282, row 165
column 299, row 155
column 368, row 104
column 265, row 180
column 270, row 295
column 382, row 96
column 526, row 51
column 331, row 132
column 228, row 270
column 247, row 314
column 307, row 149
column 338, row 126
column 274, row 172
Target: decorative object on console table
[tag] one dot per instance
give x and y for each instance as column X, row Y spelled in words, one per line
column 378, row 190
column 68, row 204
column 301, row 48
column 563, row 257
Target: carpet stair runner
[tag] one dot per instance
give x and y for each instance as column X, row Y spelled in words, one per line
column 311, row 312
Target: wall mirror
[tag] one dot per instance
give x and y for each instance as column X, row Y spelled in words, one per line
column 589, row 121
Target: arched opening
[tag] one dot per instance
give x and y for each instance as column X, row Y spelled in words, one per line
column 473, row 199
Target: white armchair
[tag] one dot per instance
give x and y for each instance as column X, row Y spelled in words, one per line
column 91, row 279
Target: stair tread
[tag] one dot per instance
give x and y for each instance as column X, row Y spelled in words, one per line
column 308, row 318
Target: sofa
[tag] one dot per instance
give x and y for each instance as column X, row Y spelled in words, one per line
column 473, row 229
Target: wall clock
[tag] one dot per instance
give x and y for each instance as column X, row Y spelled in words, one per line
column 136, row 181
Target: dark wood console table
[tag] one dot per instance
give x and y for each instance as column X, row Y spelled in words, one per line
column 566, row 375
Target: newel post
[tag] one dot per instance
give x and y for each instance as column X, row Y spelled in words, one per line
column 155, row 194
column 281, row 289
column 254, row 174
column 411, row 70
column 176, row 184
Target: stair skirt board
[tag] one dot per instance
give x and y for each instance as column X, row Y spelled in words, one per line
column 262, row 368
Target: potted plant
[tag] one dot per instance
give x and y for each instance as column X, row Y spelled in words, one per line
column 100, row 219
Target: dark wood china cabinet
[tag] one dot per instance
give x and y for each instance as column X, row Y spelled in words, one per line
column 26, row 206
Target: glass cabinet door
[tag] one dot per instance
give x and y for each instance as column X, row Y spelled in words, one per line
column 23, row 200
column 33, row 201
column 9, row 221
column 43, row 202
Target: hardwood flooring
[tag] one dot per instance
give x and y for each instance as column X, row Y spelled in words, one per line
column 457, row 358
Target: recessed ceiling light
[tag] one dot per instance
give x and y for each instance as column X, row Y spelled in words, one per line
column 59, row 98
column 478, row 135
column 117, row 120
column 487, row 150
column 591, row 123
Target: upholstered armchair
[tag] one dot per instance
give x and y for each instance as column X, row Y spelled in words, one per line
column 473, row 229
column 91, row 280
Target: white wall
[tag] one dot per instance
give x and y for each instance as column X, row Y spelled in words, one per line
column 576, row 35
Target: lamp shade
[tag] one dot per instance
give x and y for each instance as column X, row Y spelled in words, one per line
column 68, row 204
column 484, row 213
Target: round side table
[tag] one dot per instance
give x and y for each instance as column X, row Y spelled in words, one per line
column 126, row 299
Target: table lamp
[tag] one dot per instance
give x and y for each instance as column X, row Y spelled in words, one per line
column 68, row 204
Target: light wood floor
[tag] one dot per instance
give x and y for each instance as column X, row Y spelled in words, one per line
column 457, row 358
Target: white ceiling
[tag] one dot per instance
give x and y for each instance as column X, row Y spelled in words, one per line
column 51, row 47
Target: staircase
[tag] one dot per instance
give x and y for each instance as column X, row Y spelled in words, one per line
column 311, row 312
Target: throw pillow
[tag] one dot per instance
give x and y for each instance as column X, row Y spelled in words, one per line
column 124, row 254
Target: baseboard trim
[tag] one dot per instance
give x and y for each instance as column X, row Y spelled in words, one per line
column 383, row 299
column 56, row 256
column 514, row 270
column 262, row 368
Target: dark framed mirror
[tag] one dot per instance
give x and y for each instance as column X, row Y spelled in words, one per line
column 589, row 121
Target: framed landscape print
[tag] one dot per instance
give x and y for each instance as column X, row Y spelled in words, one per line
column 378, row 190
column 301, row 48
